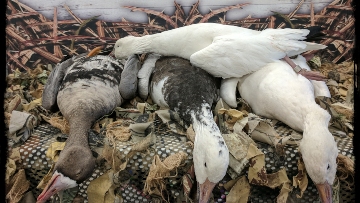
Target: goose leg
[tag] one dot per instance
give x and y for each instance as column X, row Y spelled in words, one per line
column 311, row 75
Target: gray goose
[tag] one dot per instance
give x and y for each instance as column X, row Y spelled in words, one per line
column 84, row 88
column 174, row 83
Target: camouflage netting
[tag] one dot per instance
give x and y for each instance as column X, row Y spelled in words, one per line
column 163, row 154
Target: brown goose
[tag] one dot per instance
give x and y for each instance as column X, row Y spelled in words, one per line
column 84, row 88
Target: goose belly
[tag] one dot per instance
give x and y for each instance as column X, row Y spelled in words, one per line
column 95, row 97
column 157, row 92
column 276, row 91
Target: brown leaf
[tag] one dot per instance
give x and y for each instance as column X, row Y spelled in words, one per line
column 240, row 192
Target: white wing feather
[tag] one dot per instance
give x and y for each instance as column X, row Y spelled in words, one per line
column 235, row 55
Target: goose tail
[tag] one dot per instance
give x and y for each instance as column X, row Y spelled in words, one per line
column 309, row 47
column 291, row 41
column 286, row 33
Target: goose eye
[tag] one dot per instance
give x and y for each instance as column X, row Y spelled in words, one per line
column 328, row 167
column 205, row 164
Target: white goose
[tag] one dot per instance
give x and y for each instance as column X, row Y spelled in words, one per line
column 276, row 91
column 222, row 50
column 191, row 92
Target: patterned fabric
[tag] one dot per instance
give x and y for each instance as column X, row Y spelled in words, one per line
column 168, row 142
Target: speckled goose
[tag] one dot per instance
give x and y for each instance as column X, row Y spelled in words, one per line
column 191, row 92
column 275, row 91
column 84, row 89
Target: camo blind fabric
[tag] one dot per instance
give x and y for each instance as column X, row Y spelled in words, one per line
column 130, row 181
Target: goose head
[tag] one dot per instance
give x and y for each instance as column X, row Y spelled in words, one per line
column 124, row 47
column 319, row 152
column 210, row 155
column 75, row 164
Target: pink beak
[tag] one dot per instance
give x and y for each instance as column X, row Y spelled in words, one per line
column 205, row 191
column 325, row 192
column 55, row 185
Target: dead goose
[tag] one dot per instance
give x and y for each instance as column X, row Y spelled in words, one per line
column 275, row 91
column 190, row 91
column 84, row 88
column 223, row 50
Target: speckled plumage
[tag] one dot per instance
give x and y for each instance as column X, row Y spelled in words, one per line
column 191, row 92
column 186, row 86
column 90, row 84
column 84, row 89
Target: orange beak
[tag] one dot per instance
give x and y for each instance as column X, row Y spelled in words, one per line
column 205, row 191
column 95, row 51
column 325, row 192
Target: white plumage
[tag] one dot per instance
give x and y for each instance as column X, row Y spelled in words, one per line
column 222, row 50
column 276, row 91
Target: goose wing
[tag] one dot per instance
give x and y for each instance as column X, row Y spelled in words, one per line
column 236, row 55
column 49, row 97
column 129, row 80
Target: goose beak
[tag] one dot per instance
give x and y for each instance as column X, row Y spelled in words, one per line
column 205, row 191
column 325, row 192
column 55, row 185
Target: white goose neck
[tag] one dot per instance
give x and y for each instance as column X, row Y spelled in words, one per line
column 316, row 123
column 143, row 44
column 318, row 147
column 211, row 155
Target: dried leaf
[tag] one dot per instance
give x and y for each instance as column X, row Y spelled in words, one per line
column 54, row 150
column 234, row 115
column 161, row 169
column 99, row 189
column 239, row 145
column 10, row 170
column 18, row 186
column 33, row 104
column 300, row 180
column 240, row 192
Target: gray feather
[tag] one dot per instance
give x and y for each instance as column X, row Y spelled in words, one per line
column 129, row 80
column 49, row 97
